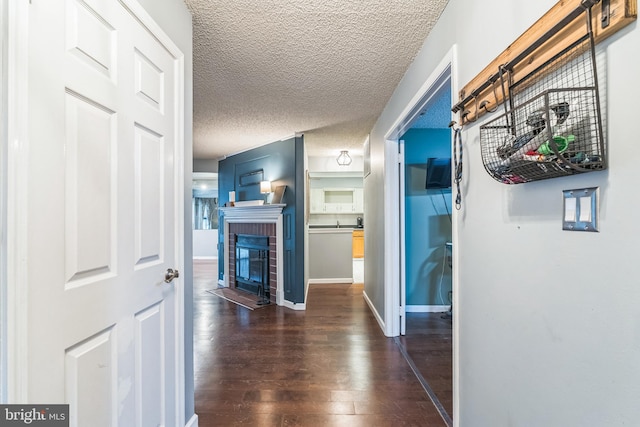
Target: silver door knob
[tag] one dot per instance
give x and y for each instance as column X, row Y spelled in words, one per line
column 171, row 274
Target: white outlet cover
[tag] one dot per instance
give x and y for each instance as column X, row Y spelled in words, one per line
column 580, row 209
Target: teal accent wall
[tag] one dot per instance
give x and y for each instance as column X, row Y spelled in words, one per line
column 282, row 163
column 427, row 220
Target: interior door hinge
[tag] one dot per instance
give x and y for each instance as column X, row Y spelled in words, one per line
column 402, row 311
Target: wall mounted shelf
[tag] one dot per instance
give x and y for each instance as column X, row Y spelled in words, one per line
column 554, row 32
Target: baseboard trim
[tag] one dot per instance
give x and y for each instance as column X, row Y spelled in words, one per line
column 426, row 308
column 331, row 281
column 279, row 297
column 373, row 310
column 295, row 306
column 193, row 422
column 205, row 258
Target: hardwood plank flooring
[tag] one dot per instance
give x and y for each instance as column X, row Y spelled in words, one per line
column 327, row 366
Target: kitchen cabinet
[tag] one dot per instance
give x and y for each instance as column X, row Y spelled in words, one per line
column 317, row 200
column 358, row 200
column 336, row 200
column 358, row 244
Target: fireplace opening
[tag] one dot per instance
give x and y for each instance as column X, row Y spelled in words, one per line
column 252, row 265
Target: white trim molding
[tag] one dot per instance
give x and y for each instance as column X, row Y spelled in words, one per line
column 17, row 200
column 193, row 422
column 337, row 281
column 300, row 306
column 373, row 310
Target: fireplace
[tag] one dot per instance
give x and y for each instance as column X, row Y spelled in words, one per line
column 252, row 265
column 264, row 222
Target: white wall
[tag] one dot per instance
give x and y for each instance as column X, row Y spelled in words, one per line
column 205, row 244
column 330, row 164
column 549, row 323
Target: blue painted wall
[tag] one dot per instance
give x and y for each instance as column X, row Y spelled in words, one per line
column 427, row 220
column 282, row 163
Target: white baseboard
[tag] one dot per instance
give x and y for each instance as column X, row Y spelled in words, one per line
column 306, row 292
column 373, row 310
column 426, row 308
column 330, row 281
column 204, row 258
column 294, row 306
column 193, row 422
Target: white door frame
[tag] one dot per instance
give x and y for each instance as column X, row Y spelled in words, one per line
column 3, row 200
column 16, row 198
column 394, row 207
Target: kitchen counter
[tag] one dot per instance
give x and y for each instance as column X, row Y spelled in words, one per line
column 331, row 230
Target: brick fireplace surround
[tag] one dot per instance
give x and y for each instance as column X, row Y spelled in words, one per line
column 256, row 229
column 264, row 220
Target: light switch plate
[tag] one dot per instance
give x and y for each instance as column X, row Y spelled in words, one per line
column 580, row 209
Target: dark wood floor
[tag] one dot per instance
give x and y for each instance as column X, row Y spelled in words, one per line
column 328, row 366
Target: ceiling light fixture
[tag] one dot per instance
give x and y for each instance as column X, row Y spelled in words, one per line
column 344, row 159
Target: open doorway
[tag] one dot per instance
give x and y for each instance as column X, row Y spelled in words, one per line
column 418, row 279
column 427, row 208
column 427, row 229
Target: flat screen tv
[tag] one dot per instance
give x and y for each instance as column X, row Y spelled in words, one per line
column 438, row 172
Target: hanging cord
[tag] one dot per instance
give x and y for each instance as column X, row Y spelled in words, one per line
column 457, row 161
column 501, row 71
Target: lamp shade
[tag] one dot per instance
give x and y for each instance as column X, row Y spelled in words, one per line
column 265, row 187
column 344, row 159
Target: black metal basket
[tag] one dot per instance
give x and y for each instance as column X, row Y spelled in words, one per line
column 552, row 126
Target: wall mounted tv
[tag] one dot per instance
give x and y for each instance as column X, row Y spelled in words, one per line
column 438, row 172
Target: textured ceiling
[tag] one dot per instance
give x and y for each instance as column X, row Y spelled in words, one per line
column 264, row 70
column 437, row 112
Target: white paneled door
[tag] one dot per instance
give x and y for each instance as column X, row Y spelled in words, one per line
column 104, row 214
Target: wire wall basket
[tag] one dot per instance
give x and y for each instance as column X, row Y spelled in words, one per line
column 552, row 124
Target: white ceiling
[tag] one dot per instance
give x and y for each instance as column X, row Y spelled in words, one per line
column 264, row 70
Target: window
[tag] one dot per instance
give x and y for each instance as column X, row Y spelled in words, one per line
column 205, row 202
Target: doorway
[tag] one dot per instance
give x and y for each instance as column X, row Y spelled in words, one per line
column 425, row 180
column 442, row 79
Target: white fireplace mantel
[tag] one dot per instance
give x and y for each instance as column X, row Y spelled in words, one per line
column 258, row 213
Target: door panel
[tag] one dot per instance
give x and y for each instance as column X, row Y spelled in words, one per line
column 90, row 181
column 91, row 380
column 149, row 200
column 150, row 387
column 90, row 36
column 103, row 120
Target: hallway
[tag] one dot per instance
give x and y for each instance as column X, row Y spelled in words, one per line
column 328, row 366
